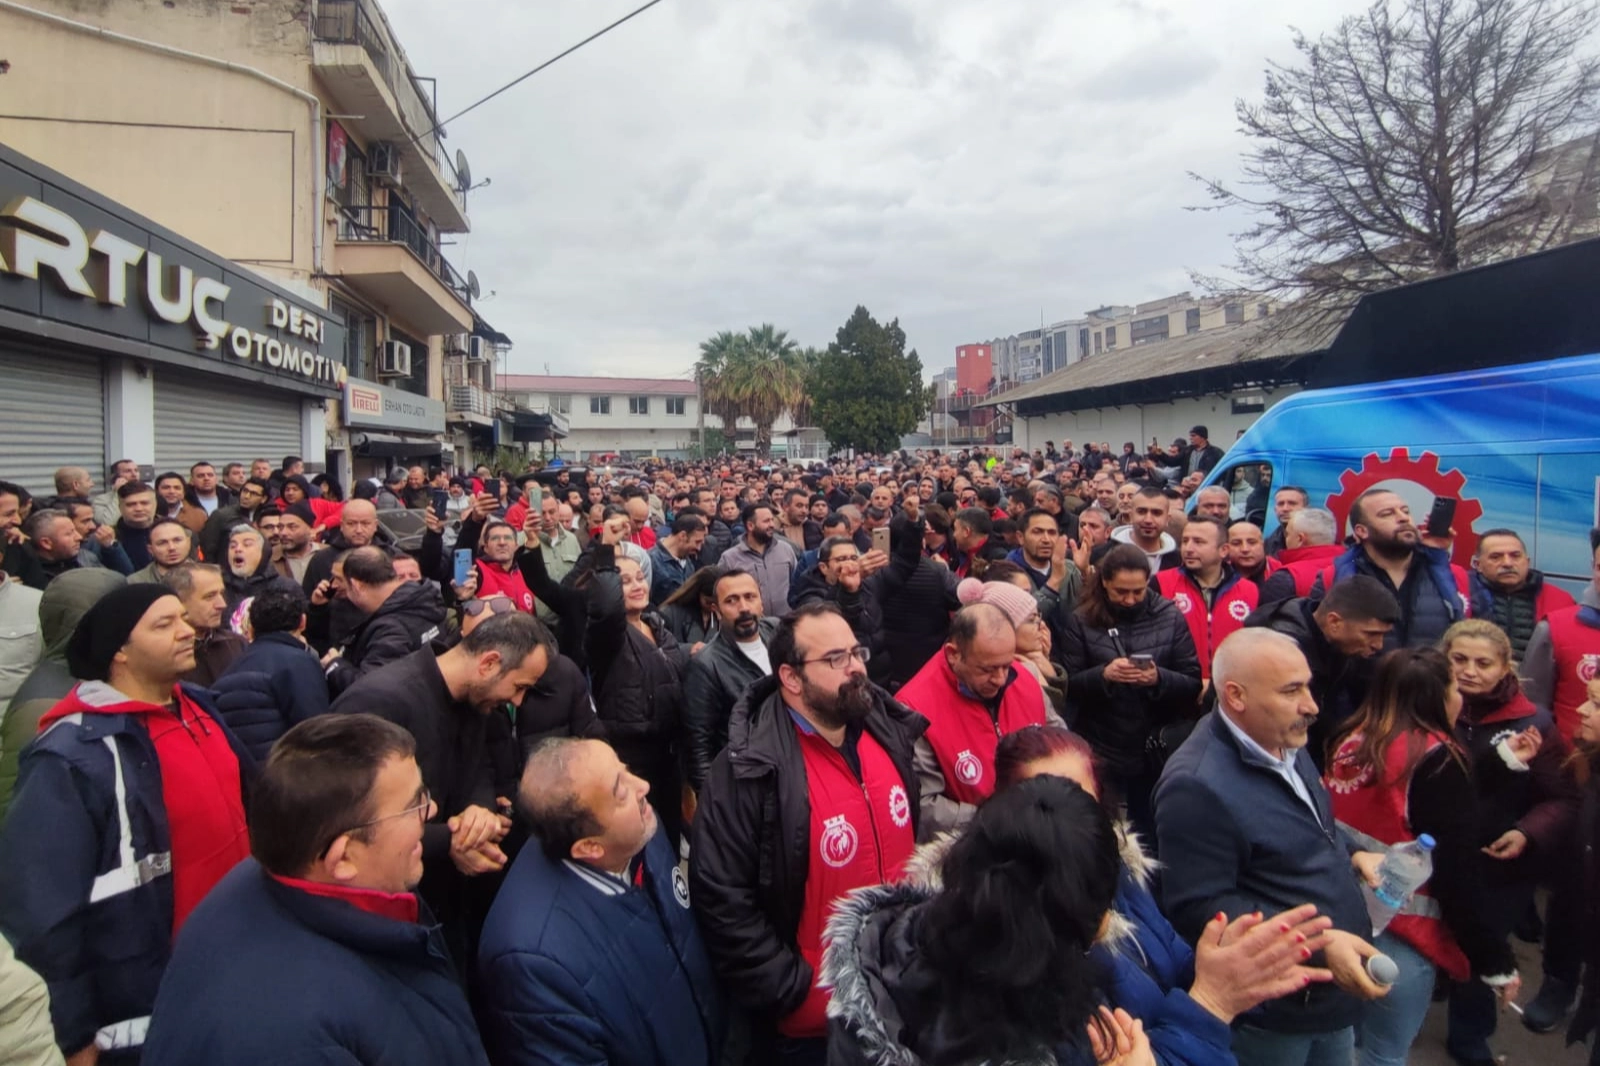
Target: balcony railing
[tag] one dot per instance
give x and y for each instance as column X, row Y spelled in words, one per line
column 387, row 225
column 352, row 22
column 471, row 400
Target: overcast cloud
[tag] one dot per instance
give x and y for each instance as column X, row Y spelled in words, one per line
column 963, row 165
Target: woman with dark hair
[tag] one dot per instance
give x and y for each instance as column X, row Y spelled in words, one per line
column 691, row 611
column 1186, row 1001
column 1526, row 817
column 331, row 489
column 993, row 967
column 297, row 489
column 1133, row 677
column 1398, row 772
column 1585, row 767
column 364, row 490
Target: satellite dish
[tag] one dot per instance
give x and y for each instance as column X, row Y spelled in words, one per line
column 463, row 172
column 472, row 284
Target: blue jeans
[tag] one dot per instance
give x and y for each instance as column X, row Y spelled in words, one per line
column 1257, row 1047
column 1390, row 1025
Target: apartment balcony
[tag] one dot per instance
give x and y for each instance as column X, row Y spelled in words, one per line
column 385, row 255
column 365, row 73
column 472, row 405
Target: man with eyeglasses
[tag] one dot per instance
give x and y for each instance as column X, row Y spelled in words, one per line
column 815, row 796
column 859, row 584
column 973, row 692
column 317, row 947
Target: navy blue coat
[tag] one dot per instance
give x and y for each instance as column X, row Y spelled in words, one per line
column 578, row 969
column 267, row 973
column 1148, row 972
column 1234, row 838
column 277, row 683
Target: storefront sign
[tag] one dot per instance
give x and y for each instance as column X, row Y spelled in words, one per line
column 70, row 256
column 369, row 406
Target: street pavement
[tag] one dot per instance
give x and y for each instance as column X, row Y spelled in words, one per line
column 1513, row 1043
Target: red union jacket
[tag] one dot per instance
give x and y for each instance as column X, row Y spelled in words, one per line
column 1235, row 599
column 960, row 730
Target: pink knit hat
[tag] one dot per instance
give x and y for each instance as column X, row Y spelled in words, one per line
column 1018, row 605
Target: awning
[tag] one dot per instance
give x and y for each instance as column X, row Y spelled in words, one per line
column 387, row 446
column 534, row 426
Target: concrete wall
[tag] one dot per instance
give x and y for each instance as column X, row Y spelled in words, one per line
column 1117, row 425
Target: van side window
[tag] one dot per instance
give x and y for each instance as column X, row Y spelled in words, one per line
column 1249, row 488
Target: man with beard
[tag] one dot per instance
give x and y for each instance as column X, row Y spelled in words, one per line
column 590, row 951
column 1148, row 531
column 1213, row 597
column 137, row 502
column 764, row 555
column 973, row 692
column 444, row 699
column 734, row 657
column 169, row 549
column 1508, row 591
column 199, row 587
column 214, row 534
column 293, row 548
column 798, row 528
column 815, row 796
column 1432, row 591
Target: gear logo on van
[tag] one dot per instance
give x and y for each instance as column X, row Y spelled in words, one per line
column 1423, row 472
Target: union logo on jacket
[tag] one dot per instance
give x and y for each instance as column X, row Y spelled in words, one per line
column 509, row 583
column 1234, row 601
column 861, row 834
column 1575, row 648
column 1378, row 809
column 961, row 730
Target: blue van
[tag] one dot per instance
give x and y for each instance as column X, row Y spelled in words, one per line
column 1519, row 446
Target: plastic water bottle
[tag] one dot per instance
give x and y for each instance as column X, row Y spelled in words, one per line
column 1405, row 869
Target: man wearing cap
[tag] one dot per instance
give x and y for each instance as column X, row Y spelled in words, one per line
column 128, row 809
column 1203, row 455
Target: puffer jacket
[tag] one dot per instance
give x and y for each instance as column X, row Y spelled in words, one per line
column 713, row 685
column 1120, row 720
column 66, row 600
column 558, row 706
column 276, row 684
column 1147, row 966
column 409, row 619
column 884, row 1010
column 330, row 624
column 750, row 851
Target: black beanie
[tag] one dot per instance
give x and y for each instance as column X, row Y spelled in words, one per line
column 302, row 511
column 106, row 627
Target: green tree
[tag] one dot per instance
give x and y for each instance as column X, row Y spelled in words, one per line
column 758, row 375
column 866, row 391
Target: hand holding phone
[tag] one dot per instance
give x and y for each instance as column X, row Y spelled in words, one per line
column 880, row 539
column 463, row 561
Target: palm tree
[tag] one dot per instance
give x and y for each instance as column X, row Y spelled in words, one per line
column 759, row 375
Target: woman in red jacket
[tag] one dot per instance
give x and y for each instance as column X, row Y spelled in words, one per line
column 1526, row 818
column 1397, row 772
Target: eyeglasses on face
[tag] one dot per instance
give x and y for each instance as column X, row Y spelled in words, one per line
column 840, row 659
column 421, row 809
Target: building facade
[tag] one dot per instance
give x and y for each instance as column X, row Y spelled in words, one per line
column 296, row 141
column 634, row 417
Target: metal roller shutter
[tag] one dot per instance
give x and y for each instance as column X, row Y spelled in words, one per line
column 221, row 421
column 52, row 414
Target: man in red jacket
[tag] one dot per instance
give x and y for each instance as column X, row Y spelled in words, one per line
column 1210, row 594
column 1309, row 539
column 973, row 692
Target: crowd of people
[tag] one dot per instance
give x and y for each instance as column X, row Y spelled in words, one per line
column 932, row 757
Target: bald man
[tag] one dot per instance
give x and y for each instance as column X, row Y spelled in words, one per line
column 332, row 619
column 1244, row 824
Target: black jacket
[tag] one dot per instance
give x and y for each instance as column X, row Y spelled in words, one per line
column 1338, row 681
column 330, row 625
column 237, row 589
column 276, row 684
column 687, row 623
column 558, row 706
column 1118, row 719
column 916, row 618
column 752, row 841
column 409, row 619
column 214, row 534
column 453, row 752
column 638, row 687
column 712, row 687
column 719, row 538
column 863, row 609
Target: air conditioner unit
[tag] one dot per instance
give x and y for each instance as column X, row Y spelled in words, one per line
column 384, row 163
column 477, row 350
column 396, row 360
column 455, row 343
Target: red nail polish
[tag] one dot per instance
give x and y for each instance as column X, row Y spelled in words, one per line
column 1305, row 953
column 1299, row 938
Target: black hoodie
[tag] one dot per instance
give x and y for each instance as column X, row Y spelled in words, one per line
column 409, row 619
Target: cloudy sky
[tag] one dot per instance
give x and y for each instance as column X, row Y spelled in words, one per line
column 963, row 165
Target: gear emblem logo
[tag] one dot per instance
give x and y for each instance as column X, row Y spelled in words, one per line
column 1239, row 609
column 899, row 807
column 1183, row 603
column 1588, row 668
column 1423, row 471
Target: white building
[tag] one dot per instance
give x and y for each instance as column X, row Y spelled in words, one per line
column 640, row 416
